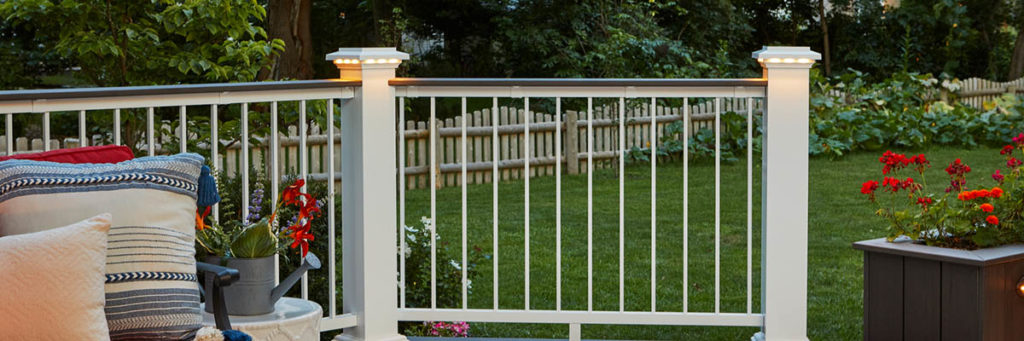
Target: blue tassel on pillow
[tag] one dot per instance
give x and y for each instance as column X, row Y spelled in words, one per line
column 234, row 335
column 207, row 194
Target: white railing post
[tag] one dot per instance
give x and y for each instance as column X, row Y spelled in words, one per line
column 785, row 188
column 369, row 194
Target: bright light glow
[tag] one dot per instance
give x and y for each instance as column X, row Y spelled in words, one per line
column 382, row 61
column 786, row 60
column 393, row 61
column 369, row 61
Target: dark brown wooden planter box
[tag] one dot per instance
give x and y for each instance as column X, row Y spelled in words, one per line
column 920, row 292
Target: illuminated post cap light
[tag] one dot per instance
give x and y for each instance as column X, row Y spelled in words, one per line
column 367, row 55
column 786, row 56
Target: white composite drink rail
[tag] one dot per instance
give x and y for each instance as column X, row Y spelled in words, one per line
column 214, row 97
column 647, row 90
column 372, row 103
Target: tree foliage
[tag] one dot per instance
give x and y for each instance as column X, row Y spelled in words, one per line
column 146, row 42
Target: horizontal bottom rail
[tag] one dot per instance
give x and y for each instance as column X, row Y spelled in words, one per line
column 338, row 322
column 583, row 317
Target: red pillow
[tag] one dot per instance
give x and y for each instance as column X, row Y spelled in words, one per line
column 91, row 154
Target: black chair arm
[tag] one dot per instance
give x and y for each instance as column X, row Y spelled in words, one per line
column 217, row 277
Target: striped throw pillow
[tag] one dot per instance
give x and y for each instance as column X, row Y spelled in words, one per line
column 151, row 288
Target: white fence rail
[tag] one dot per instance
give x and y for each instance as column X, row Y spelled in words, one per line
column 375, row 168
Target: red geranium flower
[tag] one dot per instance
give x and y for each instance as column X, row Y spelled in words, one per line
column 987, row 208
column 924, row 202
column 1019, row 140
column 998, row 177
column 992, row 220
column 1012, row 162
column 893, row 161
column 957, row 175
column 997, row 192
column 891, row 184
column 868, row 187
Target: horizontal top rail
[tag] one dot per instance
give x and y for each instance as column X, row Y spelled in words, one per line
column 578, row 82
column 14, row 95
column 22, row 101
column 577, row 87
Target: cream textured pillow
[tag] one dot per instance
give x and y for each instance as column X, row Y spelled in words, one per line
column 52, row 283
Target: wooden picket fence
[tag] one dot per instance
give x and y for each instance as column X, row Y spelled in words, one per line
column 976, row 91
column 511, row 139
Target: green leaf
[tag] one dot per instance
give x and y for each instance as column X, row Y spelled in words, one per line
column 255, row 241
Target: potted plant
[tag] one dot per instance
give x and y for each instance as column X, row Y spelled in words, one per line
column 951, row 265
column 250, row 246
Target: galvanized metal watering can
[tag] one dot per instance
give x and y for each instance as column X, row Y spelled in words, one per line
column 254, row 293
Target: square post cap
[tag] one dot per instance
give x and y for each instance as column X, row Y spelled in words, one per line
column 367, row 55
column 786, row 56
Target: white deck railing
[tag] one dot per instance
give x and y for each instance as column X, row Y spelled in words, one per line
column 373, row 173
column 645, row 90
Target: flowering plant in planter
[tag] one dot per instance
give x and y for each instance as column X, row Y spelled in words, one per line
column 257, row 236
column 957, row 216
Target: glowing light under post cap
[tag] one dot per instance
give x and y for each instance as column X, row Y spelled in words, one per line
column 791, row 55
column 370, row 55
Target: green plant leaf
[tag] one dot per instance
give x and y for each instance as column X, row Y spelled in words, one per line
column 255, row 241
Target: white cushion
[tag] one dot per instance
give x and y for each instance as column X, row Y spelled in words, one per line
column 52, row 283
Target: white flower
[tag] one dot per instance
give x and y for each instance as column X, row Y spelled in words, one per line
column 209, row 334
column 427, row 223
column 455, row 264
column 951, row 85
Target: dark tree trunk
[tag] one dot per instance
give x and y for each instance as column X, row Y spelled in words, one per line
column 824, row 32
column 382, row 17
column 288, row 20
column 1017, row 60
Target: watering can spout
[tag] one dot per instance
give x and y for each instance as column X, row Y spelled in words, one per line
column 309, row 262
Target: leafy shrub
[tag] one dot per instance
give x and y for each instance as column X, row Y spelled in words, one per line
column 449, row 278
column 905, row 111
column 702, row 142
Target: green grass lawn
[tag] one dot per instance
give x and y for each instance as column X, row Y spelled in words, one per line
column 839, row 215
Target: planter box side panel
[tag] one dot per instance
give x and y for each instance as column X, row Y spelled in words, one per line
column 883, row 296
column 922, row 299
column 961, row 301
column 1003, row 308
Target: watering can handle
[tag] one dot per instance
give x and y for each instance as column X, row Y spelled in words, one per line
column 310, row 262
